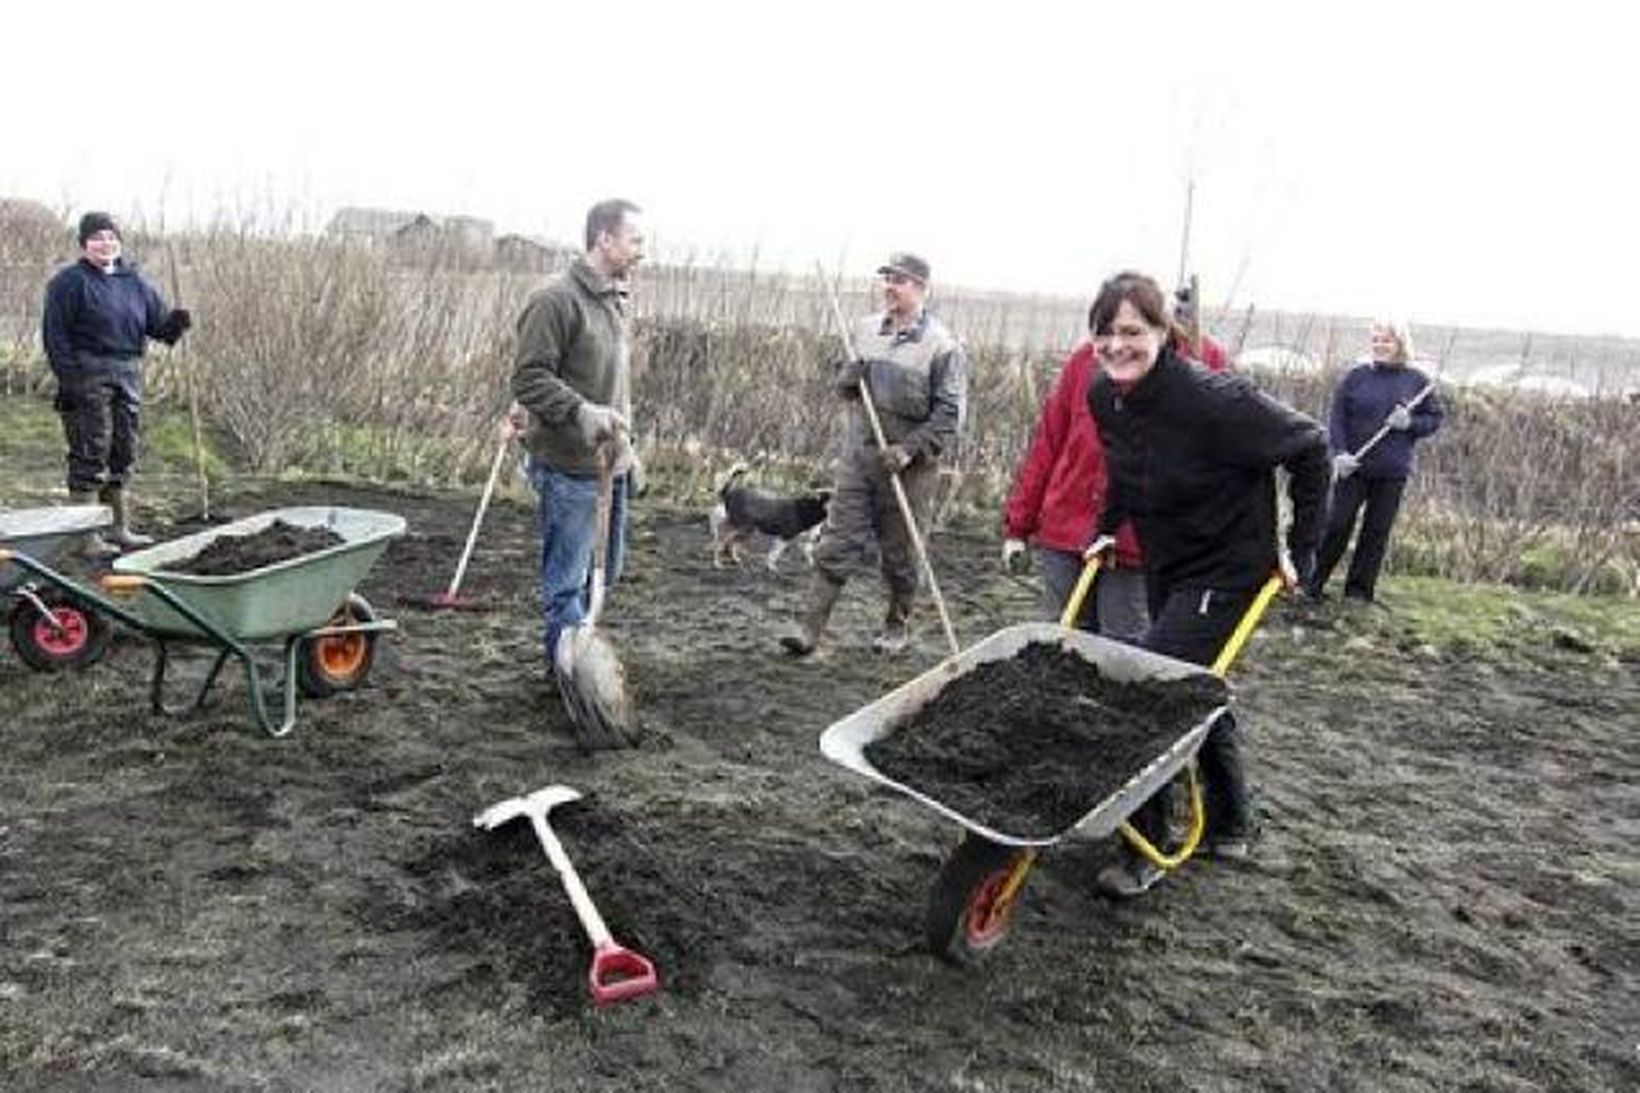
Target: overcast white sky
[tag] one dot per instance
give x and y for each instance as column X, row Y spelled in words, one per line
column 1474, row 166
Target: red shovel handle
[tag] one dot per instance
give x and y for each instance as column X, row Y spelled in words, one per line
column 618, row 973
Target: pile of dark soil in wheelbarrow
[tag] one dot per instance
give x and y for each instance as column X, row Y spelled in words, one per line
column 1031, row 744
column 278, row 542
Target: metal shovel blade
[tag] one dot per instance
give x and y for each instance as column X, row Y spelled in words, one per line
column 592, row 681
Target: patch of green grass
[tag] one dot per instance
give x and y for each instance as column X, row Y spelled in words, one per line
column 1498, row 619
column 168, row 440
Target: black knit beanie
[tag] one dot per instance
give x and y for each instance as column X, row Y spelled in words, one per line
column 92, row 223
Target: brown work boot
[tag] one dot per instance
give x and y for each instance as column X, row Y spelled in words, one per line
column 123, row 536
column 800, row 640
column 93, row 547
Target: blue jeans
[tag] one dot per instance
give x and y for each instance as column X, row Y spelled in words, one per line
column 566, row 516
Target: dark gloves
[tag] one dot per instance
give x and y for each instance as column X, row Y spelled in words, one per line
column 894, row 458
column 174, row 325
column 850, row 374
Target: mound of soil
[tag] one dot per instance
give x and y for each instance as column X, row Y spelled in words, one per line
column 280, row 541
column 1029, row 745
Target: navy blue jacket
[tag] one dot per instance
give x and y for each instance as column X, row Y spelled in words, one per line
column 90, row 313
column 1190, row 455
column 1365, row 396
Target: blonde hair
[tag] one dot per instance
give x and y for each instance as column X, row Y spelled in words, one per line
column 1403, row 335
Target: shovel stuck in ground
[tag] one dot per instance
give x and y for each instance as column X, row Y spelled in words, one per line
column 617, row 972
column 590, row 675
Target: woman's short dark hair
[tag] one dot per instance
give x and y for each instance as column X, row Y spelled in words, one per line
column 1141, row 291
column 606, row 216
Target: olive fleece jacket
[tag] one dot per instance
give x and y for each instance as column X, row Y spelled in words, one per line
column 574, row 347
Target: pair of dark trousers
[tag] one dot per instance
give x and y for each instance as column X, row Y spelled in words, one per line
column 1192, row 624
column 863, row 511
column 100, row 401
column 1381, row 500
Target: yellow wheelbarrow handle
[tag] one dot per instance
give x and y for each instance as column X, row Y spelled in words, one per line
column 1221, row 664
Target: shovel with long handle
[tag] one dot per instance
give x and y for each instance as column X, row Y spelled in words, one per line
column 190, row 370
column 591, row 677
column 616, row 972
column 894, row 477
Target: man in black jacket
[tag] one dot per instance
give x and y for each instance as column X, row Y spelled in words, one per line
column 1190, row 455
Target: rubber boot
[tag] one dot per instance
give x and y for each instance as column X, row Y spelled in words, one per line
column 122, row 534
column 801, row 639
column 93, row 547
column 896, row 632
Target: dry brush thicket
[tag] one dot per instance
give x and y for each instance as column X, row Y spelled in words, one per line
column 349, row 359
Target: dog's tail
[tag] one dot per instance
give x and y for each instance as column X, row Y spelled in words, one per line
column 730, row 477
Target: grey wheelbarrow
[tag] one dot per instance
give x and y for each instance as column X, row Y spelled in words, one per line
column 970, row 906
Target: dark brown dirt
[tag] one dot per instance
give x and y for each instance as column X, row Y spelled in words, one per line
column 227, row 555
column 1444, row 897
column 1029, row 745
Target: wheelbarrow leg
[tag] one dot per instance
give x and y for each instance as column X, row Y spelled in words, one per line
column 156, row 687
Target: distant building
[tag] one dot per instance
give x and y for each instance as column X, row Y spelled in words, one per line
column 417, row 236
column 530, row 254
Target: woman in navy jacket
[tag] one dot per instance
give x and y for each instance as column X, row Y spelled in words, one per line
column 1382, row 393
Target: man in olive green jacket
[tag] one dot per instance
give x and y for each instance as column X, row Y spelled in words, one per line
column 572, row 374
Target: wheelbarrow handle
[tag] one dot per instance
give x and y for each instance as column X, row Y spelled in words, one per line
column 1093, row 557
column 618, row 973
column 1244, row 629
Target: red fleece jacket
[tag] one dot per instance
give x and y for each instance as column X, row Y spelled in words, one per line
column 1059, row 489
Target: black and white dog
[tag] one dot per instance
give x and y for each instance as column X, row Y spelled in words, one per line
column 743, row 510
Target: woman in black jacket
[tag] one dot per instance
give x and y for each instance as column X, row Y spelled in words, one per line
column 1190, row 455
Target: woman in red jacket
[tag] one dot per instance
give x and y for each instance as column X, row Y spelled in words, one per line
column 1058, row 494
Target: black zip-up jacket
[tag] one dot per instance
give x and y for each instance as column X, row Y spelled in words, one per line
column 1189, row 454
column 91, row 314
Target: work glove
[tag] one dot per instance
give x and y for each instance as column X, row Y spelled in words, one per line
column 894, row 459
column 637, row 480
column 1016, row 560
column 850, row 375
column 515, row 422
column 621, row 454
column 1399, row 419
column 174, row 324
column 1344, row 465
column 1291, row 578
column 597, row 422
column 1099, row 546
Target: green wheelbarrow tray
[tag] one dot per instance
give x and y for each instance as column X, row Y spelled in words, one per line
column 845, row 741
column 43, row 533
column 306, row 602
column 273, row 601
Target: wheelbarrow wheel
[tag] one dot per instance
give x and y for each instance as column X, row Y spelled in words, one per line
column 338, row 662
column 971, row 906
column 74, row 637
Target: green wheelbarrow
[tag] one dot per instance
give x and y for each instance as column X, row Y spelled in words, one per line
column 306, row 604
column 50, row 631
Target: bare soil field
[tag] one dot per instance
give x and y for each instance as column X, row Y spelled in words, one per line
column 1446, row 894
